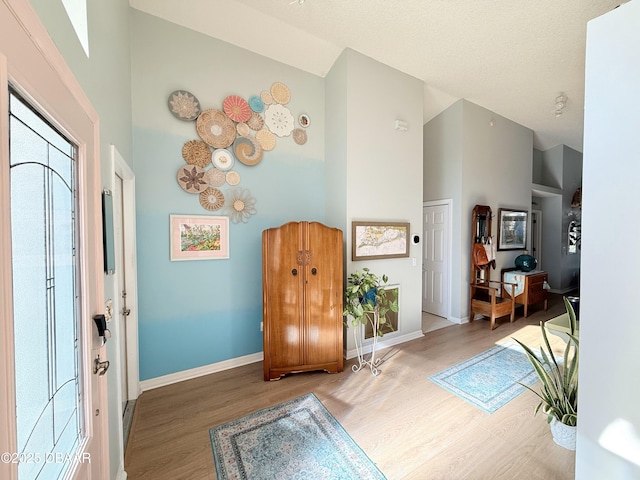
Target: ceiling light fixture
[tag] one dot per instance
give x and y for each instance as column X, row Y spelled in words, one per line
column 561, row 103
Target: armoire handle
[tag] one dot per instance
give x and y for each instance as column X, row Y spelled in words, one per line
column 314, row 270
column 294, row 272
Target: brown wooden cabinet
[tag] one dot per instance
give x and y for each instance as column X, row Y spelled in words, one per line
column 533, row 290
column 302, row 290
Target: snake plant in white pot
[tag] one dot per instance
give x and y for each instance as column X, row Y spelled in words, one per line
column 559, row 383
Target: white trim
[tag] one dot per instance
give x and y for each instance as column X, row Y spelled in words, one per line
column 385, row 343
column 449, row 203
column 121, row 475
column 8, row 438
column 122, row 169
column 200, row 371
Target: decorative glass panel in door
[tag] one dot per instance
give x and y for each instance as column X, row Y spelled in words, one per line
column 43, row 206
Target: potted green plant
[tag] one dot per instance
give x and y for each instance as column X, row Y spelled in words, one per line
column 559, row 383
column 365, row 295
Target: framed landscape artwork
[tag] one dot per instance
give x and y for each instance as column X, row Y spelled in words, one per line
column 199, row 237
column 512, row 229
column 374, row 240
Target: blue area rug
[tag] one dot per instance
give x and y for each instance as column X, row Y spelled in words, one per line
column 490, row 379
column 297, row 439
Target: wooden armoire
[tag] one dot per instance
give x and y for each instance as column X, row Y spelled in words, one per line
column 302, row 291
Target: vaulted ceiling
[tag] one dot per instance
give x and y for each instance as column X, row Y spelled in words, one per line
column 512, row 57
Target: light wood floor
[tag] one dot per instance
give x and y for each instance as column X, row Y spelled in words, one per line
column 411, row 428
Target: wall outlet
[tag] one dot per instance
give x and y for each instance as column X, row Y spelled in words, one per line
column 262, row 326
column 414, row 262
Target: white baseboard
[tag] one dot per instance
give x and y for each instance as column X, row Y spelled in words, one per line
column 385, row 343
column 121, row 475
column 172, row 378
column 199, row 371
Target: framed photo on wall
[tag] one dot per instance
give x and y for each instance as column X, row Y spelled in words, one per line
column 374, row 240
column 199, row 237
column 512, row 229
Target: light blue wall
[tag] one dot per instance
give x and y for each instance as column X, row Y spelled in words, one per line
column 196, row 313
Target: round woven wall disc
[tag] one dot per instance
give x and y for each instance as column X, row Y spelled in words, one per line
column 215, row 128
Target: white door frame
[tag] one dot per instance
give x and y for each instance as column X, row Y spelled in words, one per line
column 449, row 203
column 121, row 169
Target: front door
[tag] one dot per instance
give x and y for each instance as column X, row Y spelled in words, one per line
column 435, row 264
column 53, row 406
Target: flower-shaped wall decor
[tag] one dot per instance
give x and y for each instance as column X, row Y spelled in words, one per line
column 279, row 120
column 240, row 205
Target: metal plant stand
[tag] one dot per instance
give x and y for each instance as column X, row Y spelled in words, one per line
column 358, row 334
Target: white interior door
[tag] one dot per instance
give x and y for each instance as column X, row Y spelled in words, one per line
column 53, row 406
column 125, row 303
column 435, row 264
column 121, row 275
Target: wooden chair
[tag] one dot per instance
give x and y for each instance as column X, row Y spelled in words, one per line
column 484, row 296
column 485, row 301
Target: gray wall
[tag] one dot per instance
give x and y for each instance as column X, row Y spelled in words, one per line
column 494, row 156
column 609, row 418
column 559, row 167
column 378, row 168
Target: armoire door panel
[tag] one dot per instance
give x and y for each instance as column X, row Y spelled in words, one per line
column 284, row 337
column 323, row 300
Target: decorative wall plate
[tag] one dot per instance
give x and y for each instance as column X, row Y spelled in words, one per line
column 256, row 122
column 215, row 128
column 279, row 120
column 266, row 139
column 223, row 159
column 304, row 120
column 196, row 152
column 184, row 105
column 243, row 129
column 266, row 97
column 214, row 177
column 299, row 136
column 233, row 178
column 191, row 178
column 280, row 93
column 236, row 108
column 247, row 150
column 256, row 103
column 212, row 199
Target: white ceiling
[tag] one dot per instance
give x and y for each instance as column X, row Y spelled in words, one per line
column 513, row 57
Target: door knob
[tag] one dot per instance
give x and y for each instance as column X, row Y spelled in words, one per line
column 314, row 270
column 99, row 367
column 294, row 272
